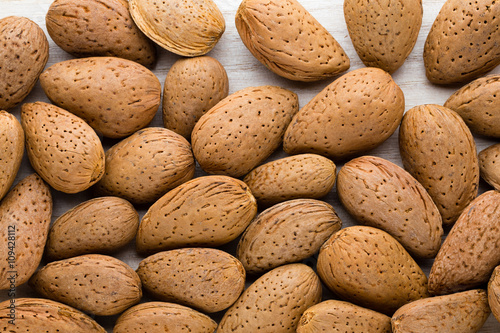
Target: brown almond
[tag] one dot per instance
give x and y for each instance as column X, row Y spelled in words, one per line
column 188, row 27
column 11, row 150
column 478, row 103
column 147, row 317
column 275, row 302
column 379, row 193
column 99, row 225
column 300, row 176
column 470, row 252
column 339, row 317
column 437, row 148
column 370, row 268
column 94, row 283
column 285, row 233
column 243, row 130
column 146, row 165
column 461, row 312
column 192, row 87
column 25, row 215
column 24, row 54
column 383, row 33
column 489, row 159
column 88, row 28
column 62, row 148
column 206, row 211
column 494, row 293
column 462, row 43
column 116, row 97
column 206, row 279
column 289, row 41
column 353, row 114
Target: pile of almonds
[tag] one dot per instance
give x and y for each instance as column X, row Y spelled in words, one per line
column 228, row 205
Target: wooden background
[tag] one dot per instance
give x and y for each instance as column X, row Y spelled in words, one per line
column 243, row 71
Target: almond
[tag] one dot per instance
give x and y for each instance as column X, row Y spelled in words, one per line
column 489, row 159
column 289, row 41
column 11, row 150
column 494, row 292
column 437, row 148
column 62, row 148
column 353, row 114
column 98, row 28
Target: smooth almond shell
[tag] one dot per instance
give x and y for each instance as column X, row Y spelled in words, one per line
column 25, row 215
column 494, row 292
column 94, row 283
column 154, row 158
column 192, row 87
column 489, row 159
column 24, row 54
column 173, row 318
column 383, row 33
column 462, row 43
column 98, row 28
column 187, row 27
column 461, row 312
column 206, row 211
column 62, row 148
column 470, row 252
column 285, row 233
column 275, row 302
column 114, row 96
column 243, row 130
column 289, row 41
column 339, row 317
column 437, row 148
column 52, row 317
column 350, row 264
column 353, row 114
column 99, row 225
column 379, row 193
column 300, row 176
column 206, row 279
column 478, row 103
column 11, row 150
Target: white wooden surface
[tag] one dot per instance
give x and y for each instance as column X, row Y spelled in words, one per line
column 243, row 71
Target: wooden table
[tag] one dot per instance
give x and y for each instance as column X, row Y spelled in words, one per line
column 243, row 71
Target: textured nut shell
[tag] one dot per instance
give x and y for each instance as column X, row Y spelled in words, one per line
column 24, row 54
column 489, row 161
column 187, row 27
column 63, row 149
column 353, row 114
column 338, row 316
column 28, row 209
column 470, row 252
column 146, row 165
column 274, row 302
column 289, row 41
column 207, row 279
column 383, row 32
column 171, row 317
column 437, row 148
column 478, row 103
column 11, row 150
column 114, row 96
column 100, row 225
column 98, row 28
column 293, row 177
column 243, row 130
column 94, row 283
column 378, row 193
column 288, row 232
column 192, row 87
column 461, row 312
column 494, row 293
column 463, row 41
column 206, row 211
column 350, row 262
column 46, row 315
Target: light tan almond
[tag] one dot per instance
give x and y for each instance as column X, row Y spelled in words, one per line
column 11, row 150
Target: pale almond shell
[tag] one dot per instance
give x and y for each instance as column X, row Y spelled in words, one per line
column 11, row 150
